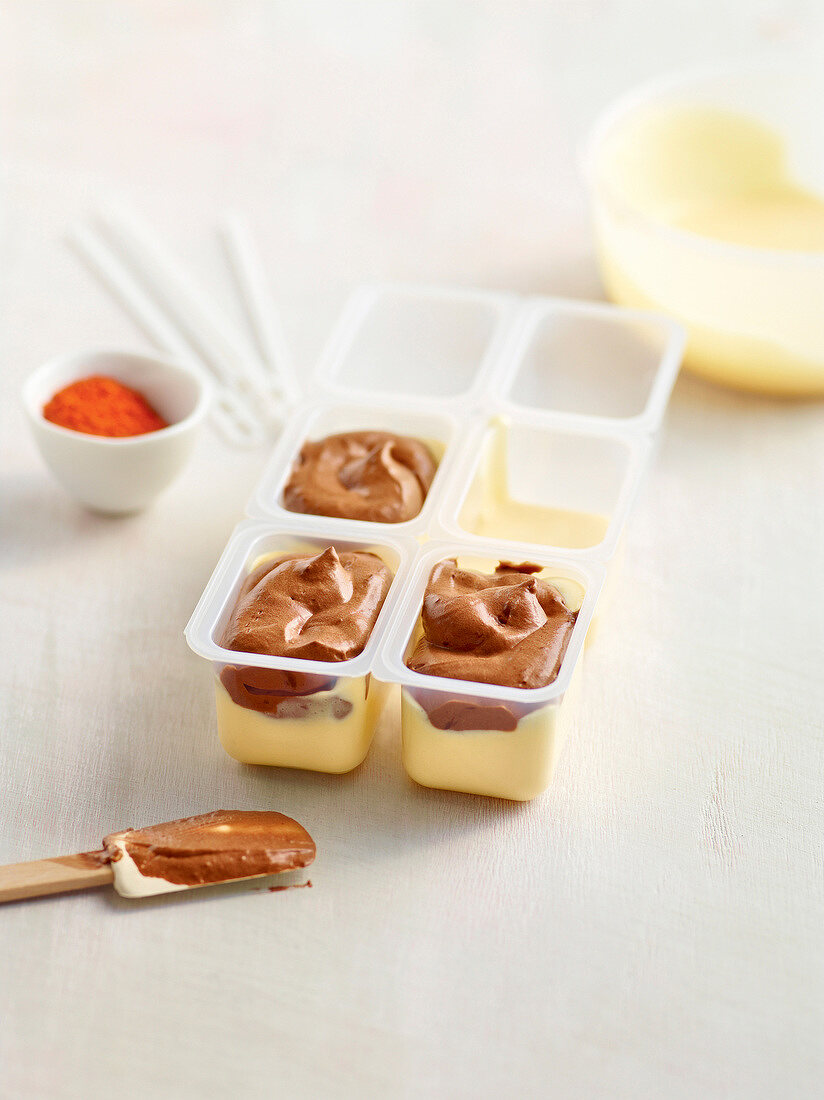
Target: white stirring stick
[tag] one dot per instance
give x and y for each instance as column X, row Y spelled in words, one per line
column 263, row 317
column 202, row 323
column 230, row 413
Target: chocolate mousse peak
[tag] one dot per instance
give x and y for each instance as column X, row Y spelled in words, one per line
column 508, row 628
column 319, row 607
column 489, row 621
column 327, row 573
column 374, row 476
column 373, row 466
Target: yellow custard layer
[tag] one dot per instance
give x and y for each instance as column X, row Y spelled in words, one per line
column 516, row 764
column 717, row 173
column 320, row 745
column 786, row 218
column 719, row 178
column 491, row 511
column 510, row 519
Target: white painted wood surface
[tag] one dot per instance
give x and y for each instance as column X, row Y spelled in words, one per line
column 650, row 928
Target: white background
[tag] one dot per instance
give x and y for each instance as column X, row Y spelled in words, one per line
column 652, row 927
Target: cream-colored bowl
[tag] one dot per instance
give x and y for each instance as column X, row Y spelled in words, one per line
column 125, row 474
column 708, row 203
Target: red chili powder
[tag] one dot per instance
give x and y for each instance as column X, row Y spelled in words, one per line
column 103, row 406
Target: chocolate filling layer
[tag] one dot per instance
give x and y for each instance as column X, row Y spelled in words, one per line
column 283, row 694
column 462, row 712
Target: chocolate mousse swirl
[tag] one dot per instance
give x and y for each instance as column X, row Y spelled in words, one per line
column 510, row 629
column 374, row 476
column 318, row 607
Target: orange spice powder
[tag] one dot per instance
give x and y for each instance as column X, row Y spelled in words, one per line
column 103, row 406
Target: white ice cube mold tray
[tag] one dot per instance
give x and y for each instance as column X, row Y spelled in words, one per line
column 540, row 409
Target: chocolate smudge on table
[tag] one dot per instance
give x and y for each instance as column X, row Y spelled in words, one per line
column 83, row 860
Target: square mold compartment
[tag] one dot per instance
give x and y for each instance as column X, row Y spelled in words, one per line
column 317, row 715
column 434, row 343
column 611, row 367
column 513, row 752
column 438, row 430
column 530, row 486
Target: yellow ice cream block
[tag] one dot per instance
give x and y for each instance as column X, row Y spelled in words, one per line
column 478, row 737
column 329, row 593
column 516, row 763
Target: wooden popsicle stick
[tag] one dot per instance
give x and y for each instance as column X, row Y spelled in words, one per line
column 53, row 876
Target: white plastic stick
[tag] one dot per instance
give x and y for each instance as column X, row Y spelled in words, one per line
column 214, row 339
column 254, row 292
column 230, row 413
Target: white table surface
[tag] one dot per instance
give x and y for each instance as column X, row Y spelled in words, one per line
column 652, row 926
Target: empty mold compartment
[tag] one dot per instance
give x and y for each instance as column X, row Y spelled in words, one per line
column 287, row 711
column 541, row 485
column 475, row 737
column 438, row 431
column 427, row 342
column 612, row 367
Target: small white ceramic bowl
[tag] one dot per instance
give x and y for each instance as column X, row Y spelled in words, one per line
column 125, row 474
